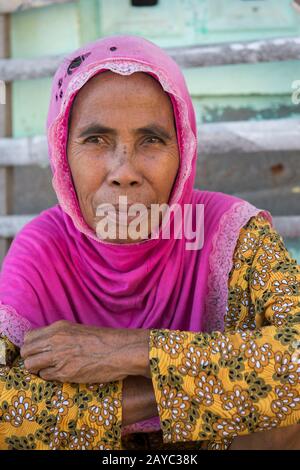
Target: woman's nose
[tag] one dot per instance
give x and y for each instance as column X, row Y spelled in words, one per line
column 124, row 173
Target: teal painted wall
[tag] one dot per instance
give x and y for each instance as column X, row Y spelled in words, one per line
column 261, row 91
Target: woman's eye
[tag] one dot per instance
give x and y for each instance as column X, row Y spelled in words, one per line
column 153, row 140
column 94, row 139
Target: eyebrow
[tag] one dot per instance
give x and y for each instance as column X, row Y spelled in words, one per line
column 97, row 128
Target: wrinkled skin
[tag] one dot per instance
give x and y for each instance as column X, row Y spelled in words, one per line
column 69, row 352
column 134, row 153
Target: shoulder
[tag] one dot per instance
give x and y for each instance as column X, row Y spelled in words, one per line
column 212, row 199
column 227, row 215
column 258, row 224
column 43, row 231
column 49, row 224
column 259, row 235
column 227, row 207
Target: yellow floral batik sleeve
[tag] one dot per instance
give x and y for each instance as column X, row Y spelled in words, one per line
column 220, row 385
column 36, row 414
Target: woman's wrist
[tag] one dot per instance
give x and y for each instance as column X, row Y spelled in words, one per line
column 138, row 400
column 140, row 362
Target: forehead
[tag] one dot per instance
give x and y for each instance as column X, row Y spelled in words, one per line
column 108, row 91
column 108, row 85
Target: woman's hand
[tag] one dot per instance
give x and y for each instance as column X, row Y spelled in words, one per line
column 70, row 352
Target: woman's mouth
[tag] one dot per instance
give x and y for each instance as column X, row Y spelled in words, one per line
column 121, row 214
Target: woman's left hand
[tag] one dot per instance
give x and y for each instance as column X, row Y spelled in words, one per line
column 70, row 352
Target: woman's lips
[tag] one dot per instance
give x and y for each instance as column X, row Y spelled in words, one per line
column 124, row 216
column 114, row 212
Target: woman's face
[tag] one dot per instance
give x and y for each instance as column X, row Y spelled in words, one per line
column 122, row 142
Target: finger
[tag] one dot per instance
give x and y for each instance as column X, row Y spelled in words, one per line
column 49, row 373
column 39, row 346
column 38, row 362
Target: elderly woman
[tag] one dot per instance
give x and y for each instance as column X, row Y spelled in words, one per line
column 139, row 341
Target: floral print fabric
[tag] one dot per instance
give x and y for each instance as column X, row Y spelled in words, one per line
column 209, row 387
column 217, row 386
column 39, row 415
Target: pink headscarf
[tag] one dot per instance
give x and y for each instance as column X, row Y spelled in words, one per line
column 57, row 268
